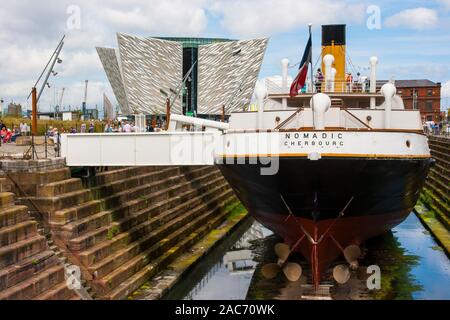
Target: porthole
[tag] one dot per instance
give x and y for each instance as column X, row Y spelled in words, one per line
column 408, row 143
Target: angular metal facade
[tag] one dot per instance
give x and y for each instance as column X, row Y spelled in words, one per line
column 108, row 108
column 142, row 67
column 149, row 66
column 227, row 74
column 108, row 57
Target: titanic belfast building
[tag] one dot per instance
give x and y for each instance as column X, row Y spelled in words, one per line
column 199, row 75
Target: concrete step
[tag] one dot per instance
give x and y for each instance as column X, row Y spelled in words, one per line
column 441, row 170
column 133, row 181
column 147, row 229
column 89, row 239
column 439, row 199
column 104, row 218
column 164, row 194
column 18, row 232
column 12, row 215
column 112, row 261
column 31, row 182
column 66, row 200
column 131, row 218
column 149, row 270
column 6, row 200
column 444, row 143
column 58, row 292
column 443, row 179
column 79, row 227
column 26, row 268
column 141, row 191
column 18, row 251
column 60, row 187
column 61, row 217
column 35, row 285
column 441, row 157
column 106, row 177
column 5, row 185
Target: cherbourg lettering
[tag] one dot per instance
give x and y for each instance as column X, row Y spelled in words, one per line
column 310, row 139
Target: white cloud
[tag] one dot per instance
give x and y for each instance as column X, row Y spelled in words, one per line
column 161, row 17
column 445, row 91
column 445, row 4
column 267, row 17
column 28, row 38
column 418, row 19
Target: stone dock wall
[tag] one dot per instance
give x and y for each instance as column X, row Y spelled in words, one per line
column 436, row 194
column 120, row 227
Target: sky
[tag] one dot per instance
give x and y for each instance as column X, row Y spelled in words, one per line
column 411, row 38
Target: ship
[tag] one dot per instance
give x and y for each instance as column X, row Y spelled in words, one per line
column 327, row 170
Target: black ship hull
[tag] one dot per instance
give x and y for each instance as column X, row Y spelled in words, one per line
column 323, row 206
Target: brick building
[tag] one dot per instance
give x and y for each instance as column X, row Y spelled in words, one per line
column 423, row 95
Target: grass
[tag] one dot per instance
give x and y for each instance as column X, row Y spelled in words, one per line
column 10, row 122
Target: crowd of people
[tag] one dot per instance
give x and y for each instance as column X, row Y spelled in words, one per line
column 8, row 135
column 348, row 84
column 440, row 128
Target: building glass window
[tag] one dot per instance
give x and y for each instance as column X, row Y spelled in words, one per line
column 429, row 106
column 430, row 92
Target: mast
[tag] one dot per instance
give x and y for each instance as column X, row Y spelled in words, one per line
column 312, row 74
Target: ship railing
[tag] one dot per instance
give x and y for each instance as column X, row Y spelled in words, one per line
column 345, row 120
column 353, row 117
column 342, row 86
column 289, row 119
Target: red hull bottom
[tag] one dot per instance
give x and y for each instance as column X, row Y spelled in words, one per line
column 322, row 242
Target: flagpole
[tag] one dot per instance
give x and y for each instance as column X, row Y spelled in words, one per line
column 312, row 75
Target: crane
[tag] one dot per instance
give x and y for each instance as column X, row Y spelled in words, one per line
column 85, row 98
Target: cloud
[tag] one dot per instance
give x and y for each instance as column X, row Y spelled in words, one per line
column 445, row 4
column 418, row 19
column 445, row 91
column 432, row 71
column 161, row 17
column 29, row 33
column 267, row 17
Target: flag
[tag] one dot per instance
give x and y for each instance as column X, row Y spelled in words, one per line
column 300, row 79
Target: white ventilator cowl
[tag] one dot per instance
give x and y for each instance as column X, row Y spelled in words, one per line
column 320, row 103
column 388, row 90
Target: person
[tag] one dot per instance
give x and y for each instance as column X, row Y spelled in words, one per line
column 73, row 130
column 15, row 134
column 3, row 132
column 91, row 127
column 2, row 125
column 349, row 81
column 83, row 128
column 363, row 84
column 150, row 127
column 7, row 136
column 22, row 129
column 126, row 127
column 319, row 80
column 358, row 82
column 27, row 129
column 108, row 128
